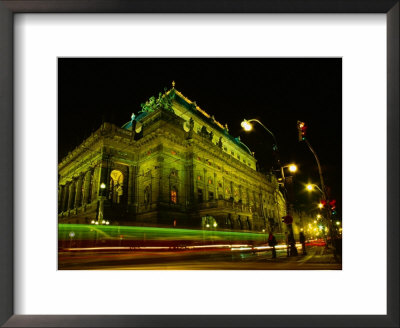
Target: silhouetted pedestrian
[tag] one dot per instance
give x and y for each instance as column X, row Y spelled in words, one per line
column 272, row 242
column 303, row 242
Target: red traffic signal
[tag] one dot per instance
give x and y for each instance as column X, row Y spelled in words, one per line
column 332, row 205
column 301, row 128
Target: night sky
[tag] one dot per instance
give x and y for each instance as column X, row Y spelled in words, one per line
column 278, row 92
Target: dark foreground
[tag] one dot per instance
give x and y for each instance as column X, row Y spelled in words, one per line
column 317, row 258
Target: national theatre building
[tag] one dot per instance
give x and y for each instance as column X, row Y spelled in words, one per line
column 171, row 165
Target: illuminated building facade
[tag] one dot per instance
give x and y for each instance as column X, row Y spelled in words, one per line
column 171, row 165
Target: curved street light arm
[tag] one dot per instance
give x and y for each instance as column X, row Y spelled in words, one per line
column 275, row 146
column 273, row 136
column 319, row 189
column 319, row 170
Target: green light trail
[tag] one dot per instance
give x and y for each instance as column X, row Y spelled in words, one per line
column 91, row 232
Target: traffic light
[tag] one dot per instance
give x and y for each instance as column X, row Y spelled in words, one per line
column 332, row 205
column 301, row 128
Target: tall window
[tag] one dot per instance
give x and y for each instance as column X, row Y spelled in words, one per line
column 116, row 182
column 174, row 195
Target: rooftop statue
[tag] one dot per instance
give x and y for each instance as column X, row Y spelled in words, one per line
column 164, row 101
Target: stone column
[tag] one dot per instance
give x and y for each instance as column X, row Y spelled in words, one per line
column 86, row 186
column 71, row 195
column 136, row 189
column 78, row 192
column 61, row 191
column 65, row 198
column 205, row 185
column 215, row 186
column 131, row 181
column 189, row 182
column 161, row 193
column 95, row 183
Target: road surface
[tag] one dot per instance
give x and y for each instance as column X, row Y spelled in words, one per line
column 316, row 259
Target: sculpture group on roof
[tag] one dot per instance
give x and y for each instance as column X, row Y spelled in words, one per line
column 164, row 101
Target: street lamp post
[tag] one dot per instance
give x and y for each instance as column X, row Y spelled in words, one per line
column 101, row 207
column 301, row 127
column 247, row 126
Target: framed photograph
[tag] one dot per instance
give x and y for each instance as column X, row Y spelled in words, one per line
column 228, row 164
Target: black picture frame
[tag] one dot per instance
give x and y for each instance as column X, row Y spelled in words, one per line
column 10, row 7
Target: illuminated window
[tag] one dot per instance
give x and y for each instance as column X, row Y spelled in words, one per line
column 174, row 195
column 209, row 181
column 116, row 186
column 199, row 177
column 173, row 152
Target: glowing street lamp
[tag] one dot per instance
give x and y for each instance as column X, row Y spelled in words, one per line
column 320, row 205
column 246, row 125
column 292, row 168
column 311, row 186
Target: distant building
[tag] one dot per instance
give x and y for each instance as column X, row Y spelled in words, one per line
column 171, row 165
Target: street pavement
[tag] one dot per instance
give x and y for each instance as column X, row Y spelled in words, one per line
column 317, row 258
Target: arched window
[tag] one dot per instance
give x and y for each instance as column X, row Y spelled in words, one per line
column 174, row 195
column 116, row 186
